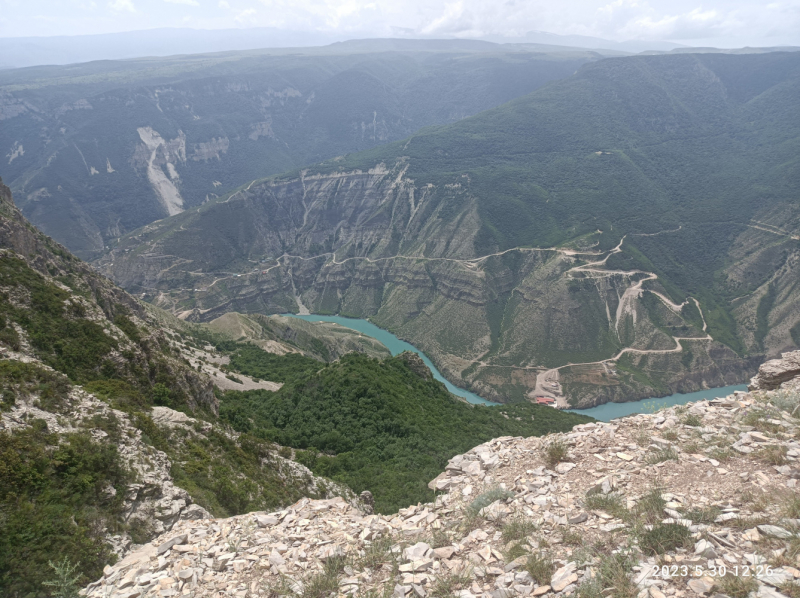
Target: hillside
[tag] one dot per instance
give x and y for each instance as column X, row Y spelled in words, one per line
column 380, row 425
column 109, row 433
column 629, row 231
column 81, row 140
column 696, row 500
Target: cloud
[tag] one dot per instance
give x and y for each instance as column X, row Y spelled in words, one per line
column 122, row 5
column 224, row 4
column 186, row 2
column 246, row 16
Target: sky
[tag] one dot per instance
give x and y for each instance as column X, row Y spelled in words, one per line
column 721, row 23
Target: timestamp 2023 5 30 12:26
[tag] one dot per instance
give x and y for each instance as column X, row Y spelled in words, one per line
column 670, row 571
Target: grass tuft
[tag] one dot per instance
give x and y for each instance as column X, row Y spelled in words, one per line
column 541, row 567
column 664, row 537
column 612, row 579
column 661, row 455
column 692, row 420
column 612, row 504
column 555, row 452
column 518, row 528
column 736, row 586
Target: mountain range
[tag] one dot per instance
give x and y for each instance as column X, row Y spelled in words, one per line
column 96, row 150
column 627, row 231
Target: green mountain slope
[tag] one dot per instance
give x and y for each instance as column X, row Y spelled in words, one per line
column 82, row 141
column 564, row 236
column 91, row 457
column 384, row 426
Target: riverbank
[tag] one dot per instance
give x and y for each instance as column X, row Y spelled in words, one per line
column 604, row 412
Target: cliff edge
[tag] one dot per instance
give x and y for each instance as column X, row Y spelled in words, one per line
column 694, row 500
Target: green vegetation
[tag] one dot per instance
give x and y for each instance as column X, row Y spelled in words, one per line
column 56, row 497
column 257, row 363
column 373, row 425
column 58, row 330
column 409, row 89
column 517, row 528
column 613, row 578
column 65, row 582
column 19, row 379
column 661, row 455
column 555, row 452
column 551, row 169
column 541, row 567
column 664, row 537
column 484, row 499
column 613, row 504
column 736, row 586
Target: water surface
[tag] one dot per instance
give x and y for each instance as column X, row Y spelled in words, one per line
column 609, row 411
column 604, row 412
column 395, row 346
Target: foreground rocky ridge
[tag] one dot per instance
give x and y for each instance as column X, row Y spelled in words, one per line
column 650, row 505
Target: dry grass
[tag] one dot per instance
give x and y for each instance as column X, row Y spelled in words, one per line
column 736, row 586
column 555, row 452
column 670, row 435
column 541, row 567
column 661, row 455
column 773, row 454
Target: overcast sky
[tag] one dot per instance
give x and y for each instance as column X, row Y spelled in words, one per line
column 722, row 23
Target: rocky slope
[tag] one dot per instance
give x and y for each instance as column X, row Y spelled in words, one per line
column 783, row 373
column 108, row 427
column 79, row 141
column 697, row 500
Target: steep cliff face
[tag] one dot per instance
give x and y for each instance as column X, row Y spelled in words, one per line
column 375, row 244
column 97, row 150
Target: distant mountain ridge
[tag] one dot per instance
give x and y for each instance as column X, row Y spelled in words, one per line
column 96, row 150
column 18, row 52
column 614, row 219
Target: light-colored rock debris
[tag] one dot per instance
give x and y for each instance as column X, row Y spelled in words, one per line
column 740, row 509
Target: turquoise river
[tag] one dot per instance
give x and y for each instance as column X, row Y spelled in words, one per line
column 604, row 412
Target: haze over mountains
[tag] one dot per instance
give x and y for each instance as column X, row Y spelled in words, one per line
column 575, row 225
column 626, row 226
column 81, row 142
column 17, row 52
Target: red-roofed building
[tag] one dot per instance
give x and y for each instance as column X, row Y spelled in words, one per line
column 545, row 401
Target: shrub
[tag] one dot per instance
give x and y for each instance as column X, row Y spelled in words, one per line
column 555, row 452
column 55, row 500
column 65, row 582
